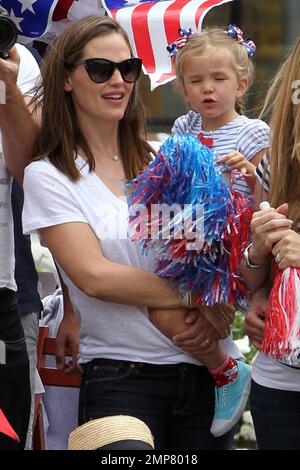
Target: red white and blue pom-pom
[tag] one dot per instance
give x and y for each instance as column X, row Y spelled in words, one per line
column 282, row 322
column 193, row 223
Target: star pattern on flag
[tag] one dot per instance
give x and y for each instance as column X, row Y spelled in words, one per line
column 27, row 5
column 31, row 17
column 16, row 19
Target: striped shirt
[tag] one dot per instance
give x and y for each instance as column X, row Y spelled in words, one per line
column 247, row 136
column 263, row 173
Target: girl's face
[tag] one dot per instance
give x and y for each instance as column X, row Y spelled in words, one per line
column 105, row 101
column 211, row 86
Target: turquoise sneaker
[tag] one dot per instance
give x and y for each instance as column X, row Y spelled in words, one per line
column 231, row 400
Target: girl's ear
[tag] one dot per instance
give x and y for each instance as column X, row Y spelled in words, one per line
column 242, row 86
column 68, row 83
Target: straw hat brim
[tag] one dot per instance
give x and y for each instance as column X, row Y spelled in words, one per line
column 104, row 431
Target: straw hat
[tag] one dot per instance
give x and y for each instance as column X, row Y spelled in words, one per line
column 111, row 432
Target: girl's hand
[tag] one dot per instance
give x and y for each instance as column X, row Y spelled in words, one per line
column 236, row 161
column 220, row 316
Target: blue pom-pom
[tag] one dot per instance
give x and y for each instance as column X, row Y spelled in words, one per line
column 180, row 210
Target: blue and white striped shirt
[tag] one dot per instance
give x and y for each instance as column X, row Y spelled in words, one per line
column 263, row 173
column 245, row 135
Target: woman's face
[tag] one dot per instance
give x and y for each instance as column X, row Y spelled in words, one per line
column 106, row 101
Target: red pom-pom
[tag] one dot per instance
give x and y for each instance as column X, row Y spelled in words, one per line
column 282, row 324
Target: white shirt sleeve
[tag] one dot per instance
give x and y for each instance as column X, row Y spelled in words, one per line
column 48, row 198
column 189, row 123
column 180, row 125
column 29, row 72
column 253, row 138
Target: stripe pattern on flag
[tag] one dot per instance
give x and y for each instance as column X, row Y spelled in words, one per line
column 152, row 25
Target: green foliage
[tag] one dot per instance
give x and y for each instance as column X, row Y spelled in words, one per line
column 238, row 332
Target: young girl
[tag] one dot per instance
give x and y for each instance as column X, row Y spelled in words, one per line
column 214, row 71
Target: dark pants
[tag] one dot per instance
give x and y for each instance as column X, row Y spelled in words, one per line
column 14, row 373
column 175, row 401
column 276, row 417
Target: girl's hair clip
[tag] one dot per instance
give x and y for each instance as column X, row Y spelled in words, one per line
column 173, row 47
column 236, row 33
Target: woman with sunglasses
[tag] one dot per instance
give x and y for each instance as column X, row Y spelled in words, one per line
column 92, row 138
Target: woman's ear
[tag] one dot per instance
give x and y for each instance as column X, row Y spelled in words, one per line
column 242, row 86
column 68, row 83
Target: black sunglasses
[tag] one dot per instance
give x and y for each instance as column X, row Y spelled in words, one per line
column 101, row 70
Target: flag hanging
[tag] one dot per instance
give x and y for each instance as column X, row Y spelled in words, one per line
column 71, row 10
column 44, row 19
column 152, row 25
column 31, row 17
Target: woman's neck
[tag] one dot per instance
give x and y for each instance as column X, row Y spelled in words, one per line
column 102, row 138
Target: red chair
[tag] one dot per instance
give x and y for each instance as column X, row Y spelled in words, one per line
column 49, row 376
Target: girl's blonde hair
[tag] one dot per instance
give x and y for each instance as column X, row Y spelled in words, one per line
column 282, row 105
column 196, row 45
column 60, row 134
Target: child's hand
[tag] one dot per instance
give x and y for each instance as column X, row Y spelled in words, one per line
column 168, row 321
column 220, row 316
column 236, row 161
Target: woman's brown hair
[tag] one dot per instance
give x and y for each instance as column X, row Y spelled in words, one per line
column 60, row 134
column 282, row 103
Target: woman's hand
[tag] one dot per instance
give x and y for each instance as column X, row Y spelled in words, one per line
column 264, row 226
column 9, row 67
column 286, row 249
column 254, row 320
column 67, row 337
column 200, row 336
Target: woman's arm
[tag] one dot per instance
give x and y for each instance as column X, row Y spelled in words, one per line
column 255, row 316
column 67, row 334
column 77, row 250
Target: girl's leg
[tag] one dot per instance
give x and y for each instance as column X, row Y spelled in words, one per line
column 232, row 378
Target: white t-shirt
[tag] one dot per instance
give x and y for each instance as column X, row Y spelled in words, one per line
column 108, row 330
column 247, row 136
column 28, row 77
